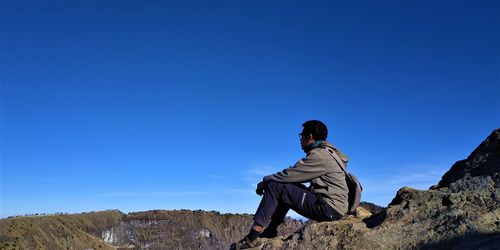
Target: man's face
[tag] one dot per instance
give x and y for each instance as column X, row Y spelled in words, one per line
column 305, row 139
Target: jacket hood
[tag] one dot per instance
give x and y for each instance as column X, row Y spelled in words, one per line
column 342, row 156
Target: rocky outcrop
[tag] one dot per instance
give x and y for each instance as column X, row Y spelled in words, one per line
column 483, row 161
column 461, row 212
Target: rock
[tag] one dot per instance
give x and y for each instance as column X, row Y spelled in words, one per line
column 362, row 213
column 484, row 160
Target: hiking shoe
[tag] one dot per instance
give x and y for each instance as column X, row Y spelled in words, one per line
column 245, row 243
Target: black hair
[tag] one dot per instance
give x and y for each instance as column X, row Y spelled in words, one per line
column 316, row 128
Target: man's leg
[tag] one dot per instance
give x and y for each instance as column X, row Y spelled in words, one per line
column 275, row 194
column 269, row 207
column 277, row 218
column 282, row 209
column 280, row 213
column 295, row 197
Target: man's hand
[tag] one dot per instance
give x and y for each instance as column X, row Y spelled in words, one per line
column 260, row 188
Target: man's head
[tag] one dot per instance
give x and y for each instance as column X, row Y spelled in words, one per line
column 313, row 130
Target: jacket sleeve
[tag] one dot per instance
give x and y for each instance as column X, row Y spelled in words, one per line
column 310, row 167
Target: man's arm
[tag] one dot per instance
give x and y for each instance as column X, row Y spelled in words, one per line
column 305, row 169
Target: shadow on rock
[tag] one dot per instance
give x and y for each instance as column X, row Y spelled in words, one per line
column 469, row 241
column 376, row 219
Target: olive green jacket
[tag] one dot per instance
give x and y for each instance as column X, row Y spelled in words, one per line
column 324, row 174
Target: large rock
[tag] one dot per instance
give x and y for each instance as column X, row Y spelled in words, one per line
column 484, row 160
column 461, row 212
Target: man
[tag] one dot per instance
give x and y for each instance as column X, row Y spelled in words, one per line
column 324, row 200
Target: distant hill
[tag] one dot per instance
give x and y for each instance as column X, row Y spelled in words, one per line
column 159, row 229
column 77, row 231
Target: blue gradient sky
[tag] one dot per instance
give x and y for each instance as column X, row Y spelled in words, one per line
column 139, row 105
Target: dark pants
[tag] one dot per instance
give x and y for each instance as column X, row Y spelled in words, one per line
column 280, row 197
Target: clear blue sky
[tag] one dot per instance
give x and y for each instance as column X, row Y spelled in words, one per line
column 139, row 105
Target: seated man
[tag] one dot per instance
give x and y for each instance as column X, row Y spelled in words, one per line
column 324, row 200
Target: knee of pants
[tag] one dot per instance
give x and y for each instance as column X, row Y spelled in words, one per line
column 273, row 185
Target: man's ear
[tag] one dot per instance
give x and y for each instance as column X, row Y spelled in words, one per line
column 310, row 137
